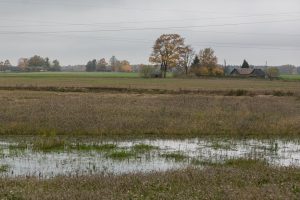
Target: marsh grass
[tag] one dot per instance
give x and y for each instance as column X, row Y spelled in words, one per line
column 274, row 147
column 237, row 163
column 244, row 163
column 222, row 145
column 176, row 156
column 201, row 162
column 121, row 155
column 132, row 152
column 49, row 144
column 143, row 148
column 236, row 179
column 20, row 146
column 45, row 143
column 4, row 168
column 54, row 144
column 95, row 147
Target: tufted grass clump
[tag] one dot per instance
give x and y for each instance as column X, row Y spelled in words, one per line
column 143, row 148
column 4, row 168
column 176, row 156
column 95, row 147
column 121, row 155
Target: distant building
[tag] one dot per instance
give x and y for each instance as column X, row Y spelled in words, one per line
column 248, row 72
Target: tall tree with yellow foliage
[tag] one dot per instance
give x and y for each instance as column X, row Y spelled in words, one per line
column 167, row 52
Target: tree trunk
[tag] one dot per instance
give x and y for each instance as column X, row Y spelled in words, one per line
column 186, row 70
column 163, row 70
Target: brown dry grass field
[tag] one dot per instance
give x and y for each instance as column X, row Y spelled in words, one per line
column 139, row 115
column 143, row 108
column 242, row 179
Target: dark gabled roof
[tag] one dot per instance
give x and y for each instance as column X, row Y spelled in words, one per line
column 247, row 71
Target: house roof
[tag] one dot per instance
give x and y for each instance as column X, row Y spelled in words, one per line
column 248, row 72
column 245, row 71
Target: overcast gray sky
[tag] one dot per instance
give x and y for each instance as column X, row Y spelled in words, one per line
column 75, row 31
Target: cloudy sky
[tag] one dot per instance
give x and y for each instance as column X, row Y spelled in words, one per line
column 75, row 31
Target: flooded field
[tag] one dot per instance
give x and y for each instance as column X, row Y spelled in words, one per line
column 87, row 158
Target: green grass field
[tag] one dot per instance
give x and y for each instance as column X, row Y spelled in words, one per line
column 291, row 77
column 132, row 81
column 98, row 75
column 71, row 75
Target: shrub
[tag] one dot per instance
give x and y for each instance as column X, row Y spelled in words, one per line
column 273, row 72
column 217, row 71
column 201, row 71
column 205, row 71
column 237, row 93
column 125, row 68
column 147, row 71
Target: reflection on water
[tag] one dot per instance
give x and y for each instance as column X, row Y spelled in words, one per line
column 163, row 155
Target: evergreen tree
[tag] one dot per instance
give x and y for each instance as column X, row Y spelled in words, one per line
column 91, row 66
column 55, row 66
column 245, row 64
column 47, row 64
column 196, row 62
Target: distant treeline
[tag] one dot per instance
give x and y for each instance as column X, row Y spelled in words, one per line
column 33, row 64
column 114, row 65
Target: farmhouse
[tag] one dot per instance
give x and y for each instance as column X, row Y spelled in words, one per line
column 248, row 72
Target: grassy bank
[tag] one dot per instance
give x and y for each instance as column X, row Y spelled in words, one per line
column 236, row 179
column 146, row 115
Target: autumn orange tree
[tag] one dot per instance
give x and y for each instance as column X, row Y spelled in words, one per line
column 206, row 64
column 167, row 52
column 125, row 66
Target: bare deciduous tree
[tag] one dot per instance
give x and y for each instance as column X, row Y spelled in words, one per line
column 23, row 63
column 101, row 65
column 114, row 63
column 2, row 66
column 188, row 55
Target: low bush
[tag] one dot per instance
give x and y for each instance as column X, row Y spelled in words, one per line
column 147, row 71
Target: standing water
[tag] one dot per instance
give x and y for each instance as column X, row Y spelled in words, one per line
column 138, row 156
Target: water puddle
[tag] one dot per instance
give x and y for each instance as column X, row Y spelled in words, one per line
column 138, row 156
